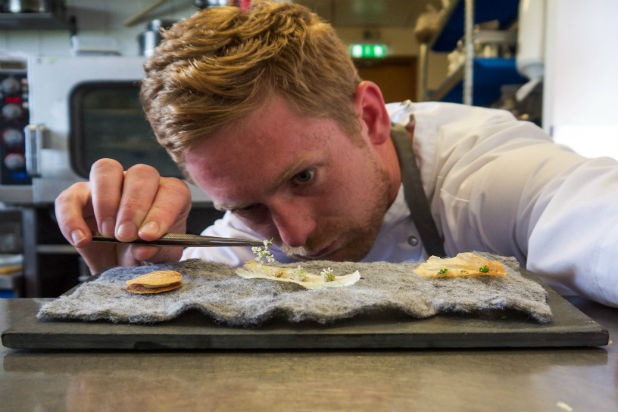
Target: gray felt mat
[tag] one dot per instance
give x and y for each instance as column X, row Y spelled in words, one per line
column 216, row 291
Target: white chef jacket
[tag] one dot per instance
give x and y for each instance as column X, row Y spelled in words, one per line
column 494, row 184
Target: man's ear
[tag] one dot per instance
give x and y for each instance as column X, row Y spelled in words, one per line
column 369, row 104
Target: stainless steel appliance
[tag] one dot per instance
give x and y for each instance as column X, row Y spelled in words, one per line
column 83, row 108
column 13, row 119
column 151, row 37
column 33, row 6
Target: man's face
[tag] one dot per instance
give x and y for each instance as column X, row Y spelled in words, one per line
column 318, row 193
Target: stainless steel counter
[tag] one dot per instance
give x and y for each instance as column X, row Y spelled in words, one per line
column 449, row 380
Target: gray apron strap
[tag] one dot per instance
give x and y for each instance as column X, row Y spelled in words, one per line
column 414, row 193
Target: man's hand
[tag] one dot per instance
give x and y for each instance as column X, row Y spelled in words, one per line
column 125, row 205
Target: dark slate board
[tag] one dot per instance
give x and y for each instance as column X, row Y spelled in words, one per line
column 193, row 331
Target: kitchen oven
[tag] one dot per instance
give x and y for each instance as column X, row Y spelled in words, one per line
column 80, row 109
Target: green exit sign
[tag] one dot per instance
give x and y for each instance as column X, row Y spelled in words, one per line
column 368, row 51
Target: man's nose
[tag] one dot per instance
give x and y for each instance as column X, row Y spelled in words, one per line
column 293, row 220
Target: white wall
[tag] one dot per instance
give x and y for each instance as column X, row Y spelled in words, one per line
column 581, row 66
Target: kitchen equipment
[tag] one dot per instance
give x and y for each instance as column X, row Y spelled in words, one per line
column 28, row 6
column 183, row 239
column 94, row 45
column 13, row 119
column 82, row 108
column 151, row 37
column 36, row 6
column 486, row 44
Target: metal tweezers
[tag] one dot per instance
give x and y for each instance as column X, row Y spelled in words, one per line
column 183, row 239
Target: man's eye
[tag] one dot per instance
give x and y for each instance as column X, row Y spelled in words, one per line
column 304, row 177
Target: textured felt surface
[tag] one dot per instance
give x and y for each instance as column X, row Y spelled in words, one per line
column 216, row 291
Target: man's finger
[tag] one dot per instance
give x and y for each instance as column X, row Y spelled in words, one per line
column 169, row 210
column 106, row 177
column 72, row 207
column 140, row 186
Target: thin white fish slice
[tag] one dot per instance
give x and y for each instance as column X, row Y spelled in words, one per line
column 254, row 270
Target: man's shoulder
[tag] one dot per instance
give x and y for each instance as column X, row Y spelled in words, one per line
column 454, row 111
column 433, row 115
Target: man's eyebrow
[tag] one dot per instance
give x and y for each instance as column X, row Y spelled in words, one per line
column 285, row 176
column 289, row 172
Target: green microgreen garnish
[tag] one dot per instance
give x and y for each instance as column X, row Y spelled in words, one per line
column 328, row 275
column 300, row 273
column 483, row 269
column 442, row 271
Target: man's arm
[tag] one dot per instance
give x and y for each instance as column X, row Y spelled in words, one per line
column 504, row 187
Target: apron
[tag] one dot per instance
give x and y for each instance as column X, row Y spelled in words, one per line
column 414, row 193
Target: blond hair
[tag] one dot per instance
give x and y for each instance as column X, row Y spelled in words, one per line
column 219, row 65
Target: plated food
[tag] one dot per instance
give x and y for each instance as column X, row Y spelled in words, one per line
column 155, row 282
column 462, row 265
column 326, row 279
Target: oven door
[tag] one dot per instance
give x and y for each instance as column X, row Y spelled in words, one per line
column 83, row 108
column 107, row 120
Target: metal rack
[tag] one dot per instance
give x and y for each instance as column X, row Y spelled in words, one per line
column 476, row 75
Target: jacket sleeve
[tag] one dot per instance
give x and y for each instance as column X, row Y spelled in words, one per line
column 230, row 226
column 227, row 226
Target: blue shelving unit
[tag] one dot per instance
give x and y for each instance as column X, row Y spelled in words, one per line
column 505, row 11
column 6, row 294
column 488, row 74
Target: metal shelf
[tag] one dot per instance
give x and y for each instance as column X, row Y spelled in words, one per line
column 489, row 75
column 16, row 194
column 33, row 21
column 466, row 85
column 451, row 24
column 444, row 20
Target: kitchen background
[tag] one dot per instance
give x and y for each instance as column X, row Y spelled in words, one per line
column 553, row 62
column 100, row 23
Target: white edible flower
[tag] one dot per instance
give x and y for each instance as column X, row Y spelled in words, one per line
column 263, row 254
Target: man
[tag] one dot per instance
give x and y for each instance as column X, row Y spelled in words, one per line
column 265, row 112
